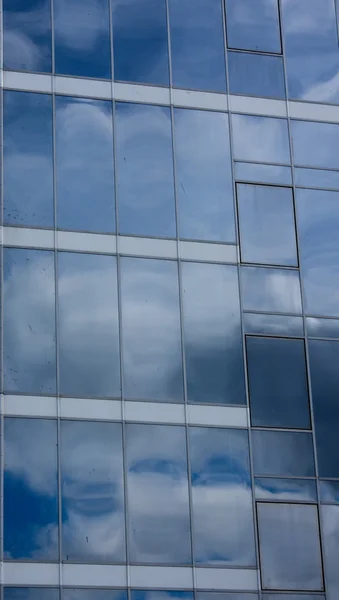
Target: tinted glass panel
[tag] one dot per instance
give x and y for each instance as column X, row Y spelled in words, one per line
column 28, row 160
column 84, row 165
column 283, row 453
column 204, row 178
column 302, row 490
column 273, row 325
column 157, row 494
column 30, row 490
column 40, row 593
column 224, row 596
column 330, row 525
column 197, row 45
column 317, row 178
column 140, row 41
column 93, row 594
column 256, row 75
column 263, row 173
column 289, row 547
column 329, row 491
column 253, row 25
column 29, row 321
column 315, row 144
column 277, row 382
column 221, row 496
column 151, row 330
column 266, row 223
column 271, row 290
column 327, row 328
column 145, row 170
column 93, row 523
column 88, row 322
column 213, row 345
column 27, row 35
column 293, row 597
column 260, row 139
column 160, row 595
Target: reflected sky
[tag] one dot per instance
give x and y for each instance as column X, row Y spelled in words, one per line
column 302, row 490
column 30, row 593
column 315, row 144
column 253, row 25
column 273, row 290
column 326, row 328
column 330, row 526
column 315, row 178
column 224, row 596
column 273, row 324
column 157, row 486
column 293, row 597
column 329, row 491
column 160, row 595
column 260, row 139
column 93, row 594
column 221, row 496
column 262, row 173
column 30, row 490
column 256, row 75
column 282, row 453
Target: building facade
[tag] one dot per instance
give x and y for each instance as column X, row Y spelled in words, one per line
column 170, row 300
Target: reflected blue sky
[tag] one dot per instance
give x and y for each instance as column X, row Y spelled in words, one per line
column 31, row 593
column 316, row 178
column 160, row 595
column 325, row 328
column 315, row 144
column 272, row 290
column 199, row 595
column 260, row 139
column 273, row 324
column 253, row 25
column 282, row 453
column 256, row 75
column 330, row 523
column 93, row 594
column 289, row 490
column 329, row 491
column 257, row 173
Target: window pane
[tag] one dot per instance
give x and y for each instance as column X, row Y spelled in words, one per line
column 283, row 453
column 315, row 144
column 329, row 491
column 30, row 490
column 293, row 597
column 93, row 522
column 82, row 38
column 260, row 139
column 84, row 165
column 315, row 178
column 213, row 344
column 197, row 45
column 277, row 382
column 145, row 170
column 151, row 330
column 140, row 45
column 27, row 35
column 330, row 524
column 271, row 290
column 262, row 173
column 157, row 484
column 224, row 596
column 160, row 595
column 88, row 321
column 266, row 223
column 204, row 177
column 303, row 490
column 256, row 75
column 273, row 325
column 253, row 25
column 221, row 497
column 289, row 547
column 28, row 159
column 38, row 593
column 326, row 328
column 93, row 594
column 29, row 321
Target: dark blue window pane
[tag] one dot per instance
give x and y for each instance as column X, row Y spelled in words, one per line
column 277, row 382
column 271, row 290
column 325, row 328
column 329, row 491
column 93, row 528
column 82, row 38
column 140, row 44
column 213, row 344
column 197, row 45
column 283, row 453
column 27, row 35
column 315, row 178
column 151, row 330
column 263, row 173
column 88, row 322
column 273, row 325
column 30, row 593
column 324, row 361
column 84, row 165
column 160, row 595
column 30, row 490
column 145, row 170
column 29, row 321
column 330, row 526
column 303, row 490
column 253, row 25
column 256, row 75
column 93, row 594
column 204, row 177
column 260, row 139
column 157, row 484
column 315, row 144
column 28, row 159
column 221, row 497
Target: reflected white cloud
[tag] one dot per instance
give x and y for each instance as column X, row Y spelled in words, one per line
column 78, row 24
column 260, row 139
column 271, row 290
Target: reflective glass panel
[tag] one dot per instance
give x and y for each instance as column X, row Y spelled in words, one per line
column 145, row 170
column 315, row 144
column 315, row 178
column 330, row 527
column 30, row 490
column 30, row 593
column 329, row 491
column 224, row 596
column 293, row 597
column 273, row 324
column 266, row 224
column 140, row 46
column 29, row 321
column 253, row 25
column 93, row 594
column 270, row 290
column 318, row 223
column 82, row 38
column 93, row 522
column 158, row 511
column 277, row 382
column 326, row 328
column 151, row 330
column 160, row 595
column 27, row 35
column 84, row 165
column 28, row 159
column 256, row 75
column 302, row 490
column 283, row 453
column 289, row 547
column 197, row 45
column 204, row 177
column 260, row 139
column 88, row 325
column 262, row 173
column 221, row 497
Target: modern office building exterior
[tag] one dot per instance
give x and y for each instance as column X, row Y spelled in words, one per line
column 170, row 300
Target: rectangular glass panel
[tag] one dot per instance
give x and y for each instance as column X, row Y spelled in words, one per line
column 93, row 519
column 283, row 453
column 272, row 290
column 160, row 595
column 28, row 159
column 293, row 597
column 224, row 596
column 256, row 75
column 330, row 526
column 93, row 594
column 30, row 490
column 29, row 321
column 273, row 325
column 253, row 25
column 31, row 593
column 326, row 328
column 315, row 144
column 260, row 139
column 290, row 490
column 329, row 491
column 315, row 178
column 158, row 511
column 256, row 173
column 145, row 170
column 151, row 330
column 221, row 497
column 84, row 165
